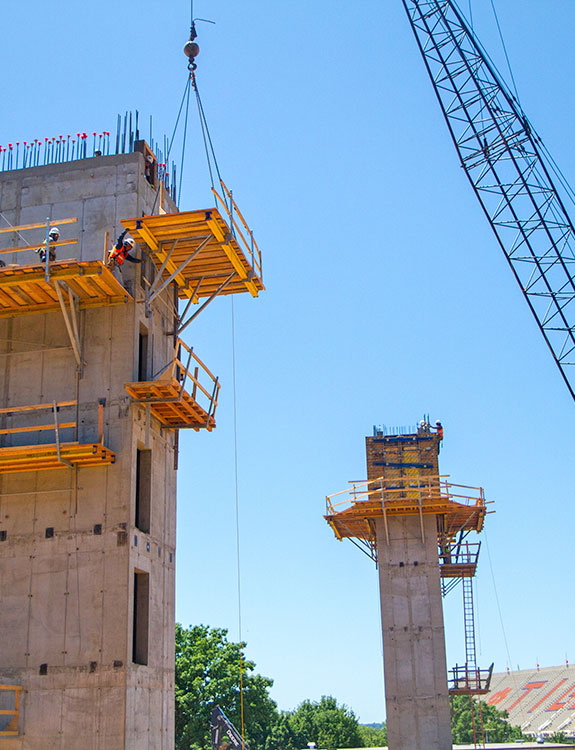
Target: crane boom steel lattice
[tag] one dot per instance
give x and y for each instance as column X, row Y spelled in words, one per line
column 503, row 159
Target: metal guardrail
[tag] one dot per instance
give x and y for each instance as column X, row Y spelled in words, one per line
column 248, row 245
column 423, row 489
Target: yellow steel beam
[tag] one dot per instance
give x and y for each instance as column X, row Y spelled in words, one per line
column 232, row 255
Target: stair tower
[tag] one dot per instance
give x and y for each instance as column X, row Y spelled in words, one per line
column 95, row 382
column 412, row 522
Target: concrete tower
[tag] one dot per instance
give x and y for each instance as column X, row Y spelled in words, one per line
column 94, row 385
column 407, row 518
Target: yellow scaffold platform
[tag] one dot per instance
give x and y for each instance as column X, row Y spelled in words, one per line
column 169, row 400
column 25, row 289
column 41, row 457
column 205, row 254
column 352, row 517
column 52, row 455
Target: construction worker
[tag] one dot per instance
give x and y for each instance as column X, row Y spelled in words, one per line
column 121, row 250
column 53, row 236
column 439, row 429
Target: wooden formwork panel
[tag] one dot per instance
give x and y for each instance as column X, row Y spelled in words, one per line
column 24, row 289
column 43, row 457
column 163, row 396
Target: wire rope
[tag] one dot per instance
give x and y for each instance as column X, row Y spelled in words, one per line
column 184, row 143
column 497, row 602
column 208, row 143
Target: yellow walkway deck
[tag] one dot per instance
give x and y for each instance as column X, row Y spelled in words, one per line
column 41, row 457
column 24, row 289
column 200, row 243
column 167, row 405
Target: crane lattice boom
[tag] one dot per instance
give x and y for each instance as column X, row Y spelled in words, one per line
column 500, row 154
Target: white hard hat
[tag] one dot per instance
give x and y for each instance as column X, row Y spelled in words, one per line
column 129, row 241
column 438, row 423
column 54, row 230
column 422, row 423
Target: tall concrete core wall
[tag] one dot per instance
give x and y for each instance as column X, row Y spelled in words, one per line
column 416, row 693
column 86, row 577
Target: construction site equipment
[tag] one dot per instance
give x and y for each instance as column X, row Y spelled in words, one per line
column 168, row 398
column 24, row 289
column 55, row 454
column 202, row 253
column 505, row 162
column 224, row 734
column 352, row 516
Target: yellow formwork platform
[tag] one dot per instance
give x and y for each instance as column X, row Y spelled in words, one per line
column 366, row 501
column 167, row 405
column 168, row 398
column 201, row 244
column 24, row 289
column 42, row 457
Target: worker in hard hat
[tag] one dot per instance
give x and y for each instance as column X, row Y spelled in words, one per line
column 439, row 429
column 121, row 250
column 53, row 236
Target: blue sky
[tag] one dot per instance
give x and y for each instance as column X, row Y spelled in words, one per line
column 387, row 297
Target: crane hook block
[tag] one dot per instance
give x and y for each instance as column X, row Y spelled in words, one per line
column 191, row 50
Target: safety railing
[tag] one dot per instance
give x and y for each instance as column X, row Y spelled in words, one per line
column 189, row 374
column 247, row 242
column 469, row 680
column 45, row 245
column 9, row 710
column 60, row 452
column 55, row 425
column 184, row 393
column 423, row 490
column 464, row 554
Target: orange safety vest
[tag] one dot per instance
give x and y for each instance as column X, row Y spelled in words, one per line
column 119, row 254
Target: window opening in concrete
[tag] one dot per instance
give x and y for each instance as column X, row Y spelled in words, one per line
column 141, row 617
column 143, row 354
column 143, row 489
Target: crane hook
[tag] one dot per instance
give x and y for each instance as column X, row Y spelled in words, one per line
column 191, row 49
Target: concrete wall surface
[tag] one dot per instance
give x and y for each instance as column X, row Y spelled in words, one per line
column 416, row 695
column 71, row 545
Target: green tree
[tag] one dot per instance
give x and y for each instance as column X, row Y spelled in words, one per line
column 495, row 724
column 208, row 669
column 373, row 736
column 325, row 723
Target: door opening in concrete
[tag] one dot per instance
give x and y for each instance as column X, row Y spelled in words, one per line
column 143, row 354
column 141, row 623
column 143, row 489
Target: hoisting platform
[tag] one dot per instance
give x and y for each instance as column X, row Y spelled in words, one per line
column 200, row 251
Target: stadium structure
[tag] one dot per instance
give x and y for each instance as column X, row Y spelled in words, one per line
column 541, row 701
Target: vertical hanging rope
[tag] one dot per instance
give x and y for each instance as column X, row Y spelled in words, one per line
column 238, row 557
